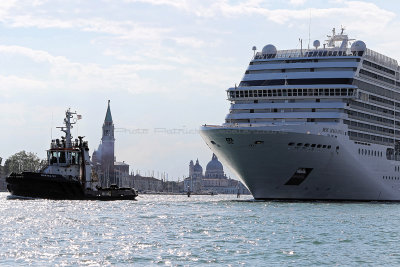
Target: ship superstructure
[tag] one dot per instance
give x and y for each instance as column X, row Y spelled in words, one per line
column 319, row 123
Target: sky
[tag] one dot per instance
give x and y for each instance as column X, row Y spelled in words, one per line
column 164, row 64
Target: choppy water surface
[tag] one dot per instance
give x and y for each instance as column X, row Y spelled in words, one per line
column 200, row 230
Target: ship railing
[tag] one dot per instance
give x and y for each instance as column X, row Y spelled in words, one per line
column 300, row 53
column 328, row 52
column 384, row 60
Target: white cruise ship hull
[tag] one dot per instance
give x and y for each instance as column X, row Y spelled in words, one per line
column 275, row 163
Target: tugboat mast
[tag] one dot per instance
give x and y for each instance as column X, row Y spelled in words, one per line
column 68, row 127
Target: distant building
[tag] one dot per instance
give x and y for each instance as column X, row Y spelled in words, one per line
column 213, row 181
column 147, row 184
column 3, row 186
column 196, row 175
column 121, row 172
column 105, row 168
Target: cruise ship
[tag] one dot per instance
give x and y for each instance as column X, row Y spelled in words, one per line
column 314, row 124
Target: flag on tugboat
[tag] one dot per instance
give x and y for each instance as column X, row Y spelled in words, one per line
column 79, row 117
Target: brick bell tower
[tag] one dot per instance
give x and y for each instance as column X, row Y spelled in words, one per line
column 108, row 140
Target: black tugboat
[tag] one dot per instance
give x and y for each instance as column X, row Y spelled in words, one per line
column 68, row 174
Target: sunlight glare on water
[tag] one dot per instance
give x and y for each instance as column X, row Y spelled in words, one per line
column 200, row 230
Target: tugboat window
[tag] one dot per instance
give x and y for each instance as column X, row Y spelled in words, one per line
column 62, row 158
column 53, row 157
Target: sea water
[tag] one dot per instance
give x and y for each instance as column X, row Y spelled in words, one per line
column 200, row 230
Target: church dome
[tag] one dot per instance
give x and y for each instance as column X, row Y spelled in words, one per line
column 197, row 167
column 214, row 164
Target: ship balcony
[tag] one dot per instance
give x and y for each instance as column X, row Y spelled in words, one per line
column 240, row 93
column 286, row 116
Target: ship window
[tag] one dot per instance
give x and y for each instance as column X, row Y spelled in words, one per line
column 375, row 153
column 62, row 158
column 329, row 147
column 74, row 158
column 359, row 151
column 53, row 157
column 307, row 145
column 324, row 146
column 291, row 144
column 299, row 144
column 313, row 145
column 319, row 146
column 213, row 142
column 259, row 142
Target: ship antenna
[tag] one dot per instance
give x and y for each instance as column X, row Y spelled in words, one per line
column 301, row 46
column 51, row 127
column 67, row 128
column 309, row 31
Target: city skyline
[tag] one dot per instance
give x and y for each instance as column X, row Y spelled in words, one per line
column 165, row 66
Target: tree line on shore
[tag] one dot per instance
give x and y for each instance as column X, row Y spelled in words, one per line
column 22, row 161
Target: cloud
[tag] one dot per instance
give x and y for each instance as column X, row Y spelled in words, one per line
column 69, row 75
column 358, row 11
column 35, row 55
column 123, row 29
column 14, row 85
column 5, row 6
column 297, row 2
